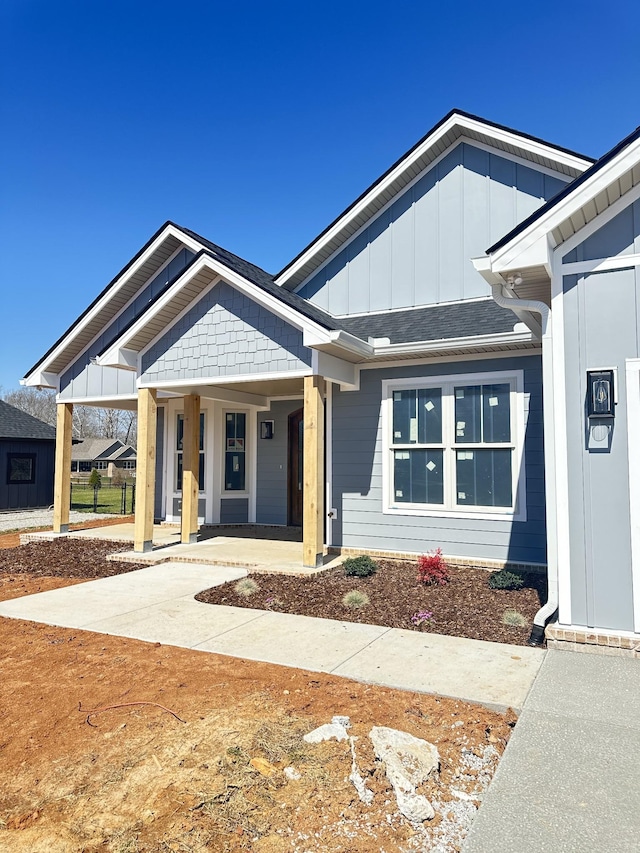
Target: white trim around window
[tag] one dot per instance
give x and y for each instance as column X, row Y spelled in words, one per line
column 451, row 444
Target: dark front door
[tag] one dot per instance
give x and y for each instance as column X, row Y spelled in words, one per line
column 296, row 468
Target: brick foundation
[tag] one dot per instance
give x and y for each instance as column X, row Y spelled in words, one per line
column 599, row 642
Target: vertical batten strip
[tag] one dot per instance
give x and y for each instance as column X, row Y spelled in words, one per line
column 146, row 468
column 62, row 483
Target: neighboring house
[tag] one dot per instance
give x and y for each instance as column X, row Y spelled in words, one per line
column 106, row 455
column 385, row 389
column 27, row 452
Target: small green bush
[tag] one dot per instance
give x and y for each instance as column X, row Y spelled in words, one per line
column 95, row 479
column 514, row 619
column 355, row 599
column 505, row 580
column 246, row 587
column 360, row 567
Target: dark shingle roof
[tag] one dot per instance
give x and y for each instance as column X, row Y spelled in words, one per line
column 265, row 281
column 567, row 190
column 14, row 423
column 436, row 322
column 101, row 448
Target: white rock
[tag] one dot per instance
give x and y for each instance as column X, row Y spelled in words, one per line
column 340, row 720
column 366, row 796
column 330, row 731
column 408, row 761
column 292, row 774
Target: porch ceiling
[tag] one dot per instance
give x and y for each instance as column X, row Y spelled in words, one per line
column 292, row 387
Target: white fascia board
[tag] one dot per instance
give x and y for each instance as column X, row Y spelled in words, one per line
column 508, row 256
column 481, row 341
column 170, row 230
column 42, row 379
column 345, row 341
column 334, row 369
column 462, row 122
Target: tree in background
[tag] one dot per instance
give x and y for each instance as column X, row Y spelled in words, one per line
column 88, row 421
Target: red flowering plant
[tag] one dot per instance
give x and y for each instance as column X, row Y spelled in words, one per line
column 432, row 569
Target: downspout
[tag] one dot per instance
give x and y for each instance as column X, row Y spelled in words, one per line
column 550, row 608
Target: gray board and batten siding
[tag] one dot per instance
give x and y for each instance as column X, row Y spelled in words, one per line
column 225, row 334
column 418, row 251
column 27, row 495
column 602, row 330
column 273, row 464
column 358, row 445
column 83, row 379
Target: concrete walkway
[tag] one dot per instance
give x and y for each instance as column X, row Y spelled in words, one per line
column 568, row 781
column 156, row 604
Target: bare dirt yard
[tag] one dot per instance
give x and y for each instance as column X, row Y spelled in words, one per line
column 200, row 764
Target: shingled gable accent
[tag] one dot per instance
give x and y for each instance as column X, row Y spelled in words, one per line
column 456, row 125
column 207, row 268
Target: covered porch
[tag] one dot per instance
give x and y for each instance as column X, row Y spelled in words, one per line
column 190, row 477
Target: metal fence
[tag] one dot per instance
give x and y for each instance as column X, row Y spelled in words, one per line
column 116, row 499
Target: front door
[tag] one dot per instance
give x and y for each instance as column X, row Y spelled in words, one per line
column 296, row 468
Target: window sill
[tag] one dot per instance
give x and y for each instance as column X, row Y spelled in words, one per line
column 477, row 513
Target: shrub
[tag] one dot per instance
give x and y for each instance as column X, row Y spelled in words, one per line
column 355, row 599
column 505, row 580
column 432, row 569
column 360, row 567
column 514, row 619
column 95, row 479
column 246, row 587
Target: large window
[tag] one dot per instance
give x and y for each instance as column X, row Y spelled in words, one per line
column 179, row 450
column 452, row 444
column 235, row 451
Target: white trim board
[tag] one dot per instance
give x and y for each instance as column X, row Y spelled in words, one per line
column 633, row 425
column 519, row 511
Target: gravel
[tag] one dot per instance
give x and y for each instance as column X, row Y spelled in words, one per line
column 42, row 518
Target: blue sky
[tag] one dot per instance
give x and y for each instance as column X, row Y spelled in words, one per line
column 255, row 124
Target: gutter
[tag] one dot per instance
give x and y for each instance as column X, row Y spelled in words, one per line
column 501, row 295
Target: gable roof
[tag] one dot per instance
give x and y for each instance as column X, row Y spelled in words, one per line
column 14, row 423
column 572, row 190
column 107, row 449
column 455, row 125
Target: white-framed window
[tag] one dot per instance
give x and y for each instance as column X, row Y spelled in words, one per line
column 454, row 445
column 235, row 452
column 100, row 465
column 128, row 464
column 179, row 448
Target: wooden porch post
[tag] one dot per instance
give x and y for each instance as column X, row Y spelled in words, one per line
column 62, row 477
column 190, row 468
column 313, row 492
column 146, row 468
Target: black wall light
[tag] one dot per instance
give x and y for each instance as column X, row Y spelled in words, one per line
column 600, row 394
column 266, row 429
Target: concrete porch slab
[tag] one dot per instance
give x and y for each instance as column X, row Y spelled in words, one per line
column 251, row 549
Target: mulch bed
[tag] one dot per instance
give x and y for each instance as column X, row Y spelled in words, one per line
column 464, row 607
column 83, row 559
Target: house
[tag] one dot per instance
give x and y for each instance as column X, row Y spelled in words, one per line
column 27, row 451
column 105, row 455
column 385, row 389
